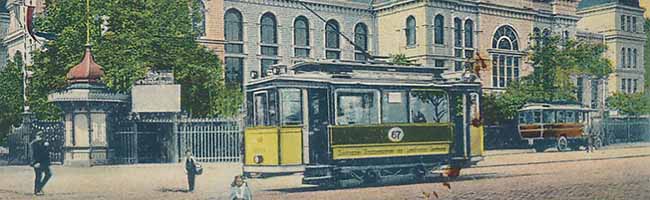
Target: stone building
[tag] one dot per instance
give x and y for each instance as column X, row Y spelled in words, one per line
column 432, row 33
column 621, row 24
column 13, row 37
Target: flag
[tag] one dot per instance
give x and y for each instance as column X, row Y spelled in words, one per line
column 29, row 20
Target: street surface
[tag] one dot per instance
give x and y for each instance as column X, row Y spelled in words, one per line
column 614, row 173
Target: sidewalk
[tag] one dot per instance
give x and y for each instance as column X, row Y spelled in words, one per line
column 504, row 152
column 499, row 159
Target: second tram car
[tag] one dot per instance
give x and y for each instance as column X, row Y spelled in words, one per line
column 343, row 121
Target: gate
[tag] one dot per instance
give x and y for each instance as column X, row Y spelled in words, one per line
column 211, row 140
column 20, row 137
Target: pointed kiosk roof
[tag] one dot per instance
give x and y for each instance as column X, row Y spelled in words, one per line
column 87, row 71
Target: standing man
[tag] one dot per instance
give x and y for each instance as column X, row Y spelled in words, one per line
column 40, row 162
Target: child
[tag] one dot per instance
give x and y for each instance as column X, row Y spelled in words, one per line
column 239, row 190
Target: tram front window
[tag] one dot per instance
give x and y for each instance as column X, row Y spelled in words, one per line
column 354, row 108
column 291, row 102
column 261, row 109
column 429, row 107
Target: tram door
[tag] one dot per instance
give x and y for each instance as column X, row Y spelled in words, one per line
column 318, row 122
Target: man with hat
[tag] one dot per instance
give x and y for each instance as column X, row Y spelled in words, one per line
column 40, row 162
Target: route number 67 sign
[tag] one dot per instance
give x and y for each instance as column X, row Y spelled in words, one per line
column 395, row 134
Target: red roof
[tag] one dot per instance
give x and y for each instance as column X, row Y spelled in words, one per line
column 87, row 71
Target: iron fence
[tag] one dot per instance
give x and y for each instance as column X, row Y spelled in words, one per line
column 19, row 139
column 617, row 130
column 211, row 140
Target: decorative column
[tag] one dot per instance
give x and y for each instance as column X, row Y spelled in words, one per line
column 87, row 105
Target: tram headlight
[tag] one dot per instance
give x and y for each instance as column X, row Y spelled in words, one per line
column 258, row 159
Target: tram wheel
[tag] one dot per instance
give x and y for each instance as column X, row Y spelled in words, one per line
column 598, row 143
column 562, row 144
column 539, row 148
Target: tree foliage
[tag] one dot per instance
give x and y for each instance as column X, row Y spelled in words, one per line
column 400, row 59
column 11, row 100
column 555, row 62
column 634, row 104
column 142, row 35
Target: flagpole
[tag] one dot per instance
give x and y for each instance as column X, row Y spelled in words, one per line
column 24, row 64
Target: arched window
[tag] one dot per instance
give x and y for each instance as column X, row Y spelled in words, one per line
column 361, row 39
column 269, row 40
column 198, row 21
column 505, row 38
column 439, row 27
column 332, row 43
column 301, row 37
column 410, row 31
column 469, row 33
column 537, row 34
column 505, row 64
column 458, row 32
column 233, row 31
column 268, row 29
column 234, row 35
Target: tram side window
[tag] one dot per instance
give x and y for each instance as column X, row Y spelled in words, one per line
column 429, row 107
column 549, row 116
column 291, row 102
column 537, row 116
column 354, row 108
column 261, row 109
column 525, row 117
column 394, row 107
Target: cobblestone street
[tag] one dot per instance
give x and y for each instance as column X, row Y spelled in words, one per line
column 615, row 173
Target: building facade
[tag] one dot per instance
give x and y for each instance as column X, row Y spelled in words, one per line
column 14, row 38
column 621, row 24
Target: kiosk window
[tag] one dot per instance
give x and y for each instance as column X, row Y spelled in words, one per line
column 261, row 109
column 291, row 102
column 394, row 107
column 356, row 108
column 429, row 106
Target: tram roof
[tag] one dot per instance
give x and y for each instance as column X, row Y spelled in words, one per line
column 551, row 106
column 344, row 72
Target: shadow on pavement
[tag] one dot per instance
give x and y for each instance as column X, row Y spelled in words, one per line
column 434, row 180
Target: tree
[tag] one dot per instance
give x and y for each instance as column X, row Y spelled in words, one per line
column 555, row 61
column 11, row 100
column 634, row 104
column 400, row 59
column 143, row 35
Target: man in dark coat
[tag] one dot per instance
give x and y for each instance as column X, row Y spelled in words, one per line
column 190, row 170
column 40, row 162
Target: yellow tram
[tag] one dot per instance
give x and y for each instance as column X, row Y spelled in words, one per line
column 340, row 121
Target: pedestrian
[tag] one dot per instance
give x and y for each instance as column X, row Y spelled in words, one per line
column 192, row 168
column 239, row 190
column 40, row 163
